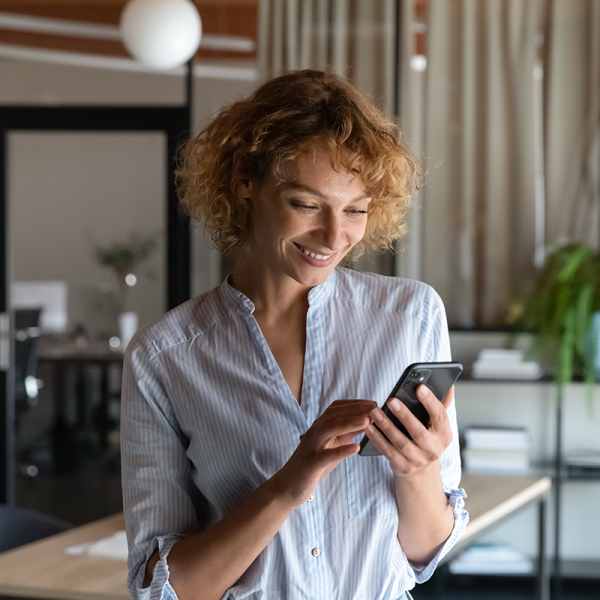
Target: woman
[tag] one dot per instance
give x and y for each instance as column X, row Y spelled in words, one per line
column 242, row 407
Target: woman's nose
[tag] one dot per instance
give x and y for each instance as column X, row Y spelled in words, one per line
column 332, row 232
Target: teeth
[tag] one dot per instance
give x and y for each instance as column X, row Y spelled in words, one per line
column 317, row 256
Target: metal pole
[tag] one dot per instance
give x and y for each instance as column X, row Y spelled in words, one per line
column 542, row 581
column 391, row 267
column 7, row 373
column 557, row 496
column 189, row 94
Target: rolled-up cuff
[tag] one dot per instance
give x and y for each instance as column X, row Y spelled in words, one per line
column 160, row 588
column 456, row 499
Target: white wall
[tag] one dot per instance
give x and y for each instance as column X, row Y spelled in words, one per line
column 72, row 192
column 69, row 190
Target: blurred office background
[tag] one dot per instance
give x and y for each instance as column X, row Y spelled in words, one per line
column 500, row 98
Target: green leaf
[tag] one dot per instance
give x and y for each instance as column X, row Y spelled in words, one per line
column 580, row 254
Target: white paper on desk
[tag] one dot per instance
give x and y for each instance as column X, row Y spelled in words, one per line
column 114, row 547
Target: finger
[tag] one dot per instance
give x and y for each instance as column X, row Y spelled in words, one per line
column 331, row 428
column 357, row 409
column 415, row 428
column 384, row 446
column 435, row 408
column 348, row 437
column 330, row 455
column 350, row 407
column 449, row 399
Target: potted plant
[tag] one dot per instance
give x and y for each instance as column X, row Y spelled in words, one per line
column 560, row 312
column 124, row 258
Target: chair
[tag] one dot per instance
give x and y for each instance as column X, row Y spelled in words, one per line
column 26, row 358
column 20, row 526
column 26, row 383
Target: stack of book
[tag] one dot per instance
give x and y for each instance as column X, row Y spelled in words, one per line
column 505, row 364
column 497, row 450
column 583, row 464
column 491, row 559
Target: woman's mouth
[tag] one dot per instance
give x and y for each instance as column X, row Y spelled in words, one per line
column 312, row 254
column 315, row 258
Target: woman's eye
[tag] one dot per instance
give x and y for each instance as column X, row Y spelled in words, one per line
column 357, row 213
column 303, row 207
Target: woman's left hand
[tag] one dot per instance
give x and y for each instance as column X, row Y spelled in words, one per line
column 411, row 457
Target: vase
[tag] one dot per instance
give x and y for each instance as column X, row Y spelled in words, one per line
column 128, row 325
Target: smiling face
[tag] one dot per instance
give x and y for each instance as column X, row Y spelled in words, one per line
column 302, row 228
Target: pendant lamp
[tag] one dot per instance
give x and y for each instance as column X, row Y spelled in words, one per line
column 161, row 34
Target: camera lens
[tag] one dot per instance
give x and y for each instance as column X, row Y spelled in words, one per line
column 415, row 375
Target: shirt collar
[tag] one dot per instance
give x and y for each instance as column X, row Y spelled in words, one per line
column 236, row 299
column 322, row 291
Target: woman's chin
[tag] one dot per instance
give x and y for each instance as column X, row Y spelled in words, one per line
column 311, row 277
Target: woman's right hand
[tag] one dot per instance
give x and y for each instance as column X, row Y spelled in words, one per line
column 322, row 447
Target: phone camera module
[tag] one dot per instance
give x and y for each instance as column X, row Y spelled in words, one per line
column 415, row 375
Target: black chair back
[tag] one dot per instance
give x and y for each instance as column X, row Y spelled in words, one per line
column 26, row 350
column 20, row 526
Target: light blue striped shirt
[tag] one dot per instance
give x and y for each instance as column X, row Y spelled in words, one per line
column 204, row 374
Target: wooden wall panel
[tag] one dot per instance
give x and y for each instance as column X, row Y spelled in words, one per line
column 225, row 17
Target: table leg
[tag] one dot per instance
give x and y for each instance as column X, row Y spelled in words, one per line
column 64, row 458
column 543, row 574
column 104, row 420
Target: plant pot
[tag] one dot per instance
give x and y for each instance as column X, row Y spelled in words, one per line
column 128, row 325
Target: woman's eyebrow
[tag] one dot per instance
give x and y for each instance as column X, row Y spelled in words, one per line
column 313, row 192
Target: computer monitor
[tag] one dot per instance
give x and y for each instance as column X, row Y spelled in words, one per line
column 50, row 296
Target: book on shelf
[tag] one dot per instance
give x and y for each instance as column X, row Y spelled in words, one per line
column 505, row 364
column 491, row 558
column 494, row 461
column 497, row 438
column 583, row 463
column 497, row 450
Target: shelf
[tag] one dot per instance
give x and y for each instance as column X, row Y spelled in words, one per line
column 570, row 569
column 467, row 377
column 580, row 569
column 550, row 471
column 571, row 477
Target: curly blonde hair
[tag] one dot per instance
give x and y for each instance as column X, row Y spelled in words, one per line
column 267, row 131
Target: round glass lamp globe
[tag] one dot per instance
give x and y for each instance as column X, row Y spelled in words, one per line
column 162, row 34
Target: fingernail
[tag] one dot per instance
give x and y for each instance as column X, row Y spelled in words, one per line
column 376, row 414
column 395, row 404
column 422, row 391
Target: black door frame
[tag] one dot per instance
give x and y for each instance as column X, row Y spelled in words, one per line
column 175, row 122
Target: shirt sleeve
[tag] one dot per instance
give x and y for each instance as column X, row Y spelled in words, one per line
column 160, row 499
column 437, row 346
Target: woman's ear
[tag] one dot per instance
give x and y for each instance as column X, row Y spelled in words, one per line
column 244, row 185
column 245, row 191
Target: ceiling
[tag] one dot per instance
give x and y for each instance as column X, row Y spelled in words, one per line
column 221, row 17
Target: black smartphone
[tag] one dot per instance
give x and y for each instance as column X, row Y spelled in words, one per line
column 438, row 377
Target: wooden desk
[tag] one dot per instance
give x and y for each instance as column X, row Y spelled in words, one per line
column 43, row 570
column 494, row 498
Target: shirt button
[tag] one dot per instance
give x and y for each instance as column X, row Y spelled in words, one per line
column 311, row 498
column 316, row 552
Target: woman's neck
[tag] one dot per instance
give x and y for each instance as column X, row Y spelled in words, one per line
column 272, row 295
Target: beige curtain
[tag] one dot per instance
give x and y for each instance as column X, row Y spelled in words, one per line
column 478, row 206
column 572, row 121
column 355, row 38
